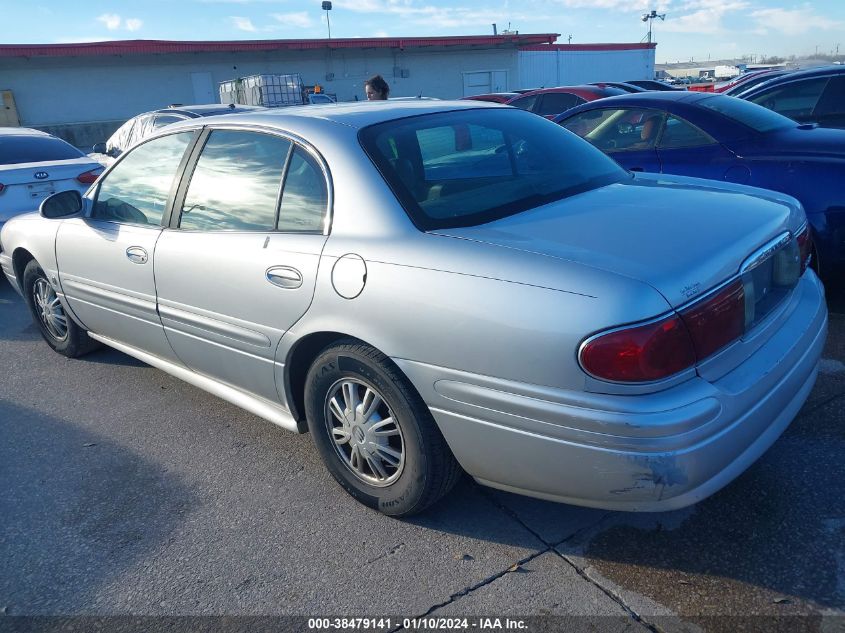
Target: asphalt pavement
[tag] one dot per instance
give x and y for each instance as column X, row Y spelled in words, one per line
column 124, row 491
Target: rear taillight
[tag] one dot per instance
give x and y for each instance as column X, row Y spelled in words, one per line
column 659, row 349
column 805, row 246
column 716, row 320
column 640, row 353
column 88, row 177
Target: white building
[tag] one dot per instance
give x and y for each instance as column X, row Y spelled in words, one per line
column 82, row 92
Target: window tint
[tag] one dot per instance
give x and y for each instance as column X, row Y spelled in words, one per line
column 680, row 133
column 796, row 99
column 235, row 185
column 526, row 103
column 833, row 99
column 746, row 113
column 165, row 119
column 34, row 149
column 510, row 161
column 119, row 141
column 617, row 129
column 136, row 190
column 304, row 198
column 557, row 102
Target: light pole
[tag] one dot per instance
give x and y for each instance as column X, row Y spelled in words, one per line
column 327, row 6
column 649, row 17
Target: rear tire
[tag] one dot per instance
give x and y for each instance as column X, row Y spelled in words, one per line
column 57, row 328
column 374, row 432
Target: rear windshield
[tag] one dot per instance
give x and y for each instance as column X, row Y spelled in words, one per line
column 470, row 167
column 756, row 117
column 34, row 149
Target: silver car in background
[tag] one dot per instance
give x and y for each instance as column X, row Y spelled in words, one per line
column 434, row 287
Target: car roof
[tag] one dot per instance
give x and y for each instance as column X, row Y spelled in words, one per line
column 355, row 114
column 796, row 75
column 208, row 109
column 22, row 131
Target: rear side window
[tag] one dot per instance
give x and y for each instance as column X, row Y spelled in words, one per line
column 236, row 183
column 796, row 99
column 34, row 149
column 680, row 133
column 469, row 167
column 136, row 190
column 557, row 102
column 525, row 103
column 304, row 197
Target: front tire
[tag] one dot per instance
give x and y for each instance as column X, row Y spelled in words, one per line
column 57, row 328
column 374, row 432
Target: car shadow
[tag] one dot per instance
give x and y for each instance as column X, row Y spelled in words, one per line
column 73, row 520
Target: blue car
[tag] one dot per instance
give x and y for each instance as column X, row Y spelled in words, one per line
column 815, row 95
column 724, row 138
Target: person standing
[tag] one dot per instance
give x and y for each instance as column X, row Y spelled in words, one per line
column 376, row 88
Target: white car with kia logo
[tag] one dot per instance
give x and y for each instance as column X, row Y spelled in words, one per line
column 34, row 165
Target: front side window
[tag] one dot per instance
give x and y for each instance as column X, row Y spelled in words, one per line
column 470, row 167
column 136, row 190
column 235, row 185
column 618, row 129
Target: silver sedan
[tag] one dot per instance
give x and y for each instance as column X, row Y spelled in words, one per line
column 433, row 288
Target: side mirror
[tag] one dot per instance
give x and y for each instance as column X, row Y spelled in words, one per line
column 99, row 148
column 61, row 205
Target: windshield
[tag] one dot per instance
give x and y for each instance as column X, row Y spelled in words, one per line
column 35, row 149
column 470, row 167
column 751, row 115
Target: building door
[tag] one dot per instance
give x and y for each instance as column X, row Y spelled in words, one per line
column 203, row 88
column 8, row 110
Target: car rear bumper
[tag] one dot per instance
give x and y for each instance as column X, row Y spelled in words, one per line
column 651, row 452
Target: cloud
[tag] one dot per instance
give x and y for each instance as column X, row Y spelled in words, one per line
column 706, row 16
column 243, row 24
column 300, row 19
column 442, row 17
column 111, row 20
column 794, row 22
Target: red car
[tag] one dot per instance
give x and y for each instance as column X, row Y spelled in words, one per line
column 495, row 97
column 549, row 102
column 740, row 80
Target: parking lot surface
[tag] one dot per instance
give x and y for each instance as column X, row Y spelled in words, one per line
column 128, row 492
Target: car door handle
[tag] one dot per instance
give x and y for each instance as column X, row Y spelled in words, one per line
column 137, row 255
column 284, row 277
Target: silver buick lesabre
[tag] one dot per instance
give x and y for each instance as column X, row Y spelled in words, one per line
column 432, row 287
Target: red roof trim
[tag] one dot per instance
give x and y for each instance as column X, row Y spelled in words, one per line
column 154, row 47
column 590, row 47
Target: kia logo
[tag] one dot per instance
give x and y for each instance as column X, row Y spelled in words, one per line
column 41, row 175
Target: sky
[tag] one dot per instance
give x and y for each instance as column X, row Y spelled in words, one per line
column 691, row 30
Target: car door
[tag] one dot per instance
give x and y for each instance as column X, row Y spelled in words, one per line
column 688, row 150
column 105, row 259
column 238, row 266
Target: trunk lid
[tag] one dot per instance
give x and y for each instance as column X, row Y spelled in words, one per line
column 682, row 236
